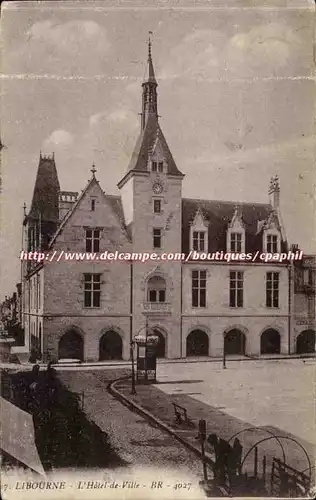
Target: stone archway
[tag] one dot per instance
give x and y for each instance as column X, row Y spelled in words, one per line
column 270, row 342
column 197, row 343
column 161, row 346
column 305, row 342
column 110, row 346
column 235, row 342
column 71, row 346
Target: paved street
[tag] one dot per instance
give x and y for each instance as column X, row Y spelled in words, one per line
column 276, row 393
column 139, row 443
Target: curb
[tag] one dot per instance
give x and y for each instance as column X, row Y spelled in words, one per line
column 149, row 416
column 127, row 363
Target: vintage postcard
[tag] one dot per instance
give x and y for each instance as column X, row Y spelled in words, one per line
column 158, row 256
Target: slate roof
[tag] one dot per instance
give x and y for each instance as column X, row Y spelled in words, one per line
column 46, row 191
column 218, row 214
column 145, row 143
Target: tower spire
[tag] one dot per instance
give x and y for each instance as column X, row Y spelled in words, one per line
column 150, row 77
column 149, row 101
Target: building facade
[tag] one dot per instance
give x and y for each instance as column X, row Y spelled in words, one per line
column 304, row 311
column 92, row 309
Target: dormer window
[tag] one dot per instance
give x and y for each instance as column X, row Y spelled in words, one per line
column 92, row 205
column 199, row 233
column 236, row 234
column 272, row 234
column 272, row 241
column 199, row 241
column 157, row 166
column 236, row 242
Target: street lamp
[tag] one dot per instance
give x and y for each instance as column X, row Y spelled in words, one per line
column 133, row 391
column 145, row 341
column 224, row 352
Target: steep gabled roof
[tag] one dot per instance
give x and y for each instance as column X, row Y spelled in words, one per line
column 144, row 145
column 114, row 202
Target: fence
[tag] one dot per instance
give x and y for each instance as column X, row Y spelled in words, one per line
column 287, row 481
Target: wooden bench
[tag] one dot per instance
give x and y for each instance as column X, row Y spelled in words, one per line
column 182, row 415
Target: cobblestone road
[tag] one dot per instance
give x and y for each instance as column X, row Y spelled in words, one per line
column 143, row 446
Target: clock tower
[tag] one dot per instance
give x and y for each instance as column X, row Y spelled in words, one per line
column 151, row 199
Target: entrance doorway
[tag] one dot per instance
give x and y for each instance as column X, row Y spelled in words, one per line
column 161, row 346
column 270, row 342
column 197, row 343
column 110, row 346
column 305, row 342
column 235, row 342
column 71, row 346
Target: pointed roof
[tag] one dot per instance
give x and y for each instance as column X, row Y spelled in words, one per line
column 151, row 133
column 46, row 191
column 237, row 216
column 145, row 144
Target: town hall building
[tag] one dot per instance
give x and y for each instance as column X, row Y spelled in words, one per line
column 92, row 310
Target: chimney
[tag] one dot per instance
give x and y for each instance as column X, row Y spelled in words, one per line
column 274, row 192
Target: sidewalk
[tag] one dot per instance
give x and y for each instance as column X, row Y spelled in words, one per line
column 71, row 364
column 159, row 405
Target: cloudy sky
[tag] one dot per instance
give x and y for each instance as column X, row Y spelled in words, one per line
column 236, row 99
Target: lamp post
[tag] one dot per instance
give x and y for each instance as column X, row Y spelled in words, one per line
column 133, row 391
column 224, row 352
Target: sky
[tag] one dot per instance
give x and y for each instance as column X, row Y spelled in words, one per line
column 236, row 96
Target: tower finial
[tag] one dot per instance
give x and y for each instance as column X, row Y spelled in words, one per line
column 93, row 170
column 150, row 76
column 150, row 33
column 274, row 192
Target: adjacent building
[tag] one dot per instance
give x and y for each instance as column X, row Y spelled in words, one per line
column 304, row 318
column 91, row 310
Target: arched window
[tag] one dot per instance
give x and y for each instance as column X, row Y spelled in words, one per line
column 156, row 289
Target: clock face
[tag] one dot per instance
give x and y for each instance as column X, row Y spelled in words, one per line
column 157, row 188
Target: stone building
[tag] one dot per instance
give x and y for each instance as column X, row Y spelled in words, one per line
column 304, row 317
column 90, row 310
